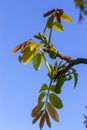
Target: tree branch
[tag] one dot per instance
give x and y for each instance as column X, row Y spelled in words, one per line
column 71, row 62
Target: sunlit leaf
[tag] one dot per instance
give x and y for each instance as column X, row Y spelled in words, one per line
column 41, row 96
column 55, row 100
column 75, row 76
column 28, row 55
column 66, row 17
column 52, row 111
column 44, row 87
column 37, row 61
column 34, row 45
column 37, row 109
column 58, row 26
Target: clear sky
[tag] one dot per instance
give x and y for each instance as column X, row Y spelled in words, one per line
column 19, row 84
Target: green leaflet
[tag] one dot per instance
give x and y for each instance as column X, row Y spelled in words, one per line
column 44, row 87
column 52, row 88
column 37, row 61
column 58, row 26
column 75, row 76
column 66, row 17
column 55, row 100
column 41, row 96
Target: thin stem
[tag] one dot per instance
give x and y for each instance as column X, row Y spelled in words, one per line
column 49, row 40
column 45, row 29
column 48, row 94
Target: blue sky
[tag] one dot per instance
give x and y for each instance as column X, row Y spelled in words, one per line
column 19, row 84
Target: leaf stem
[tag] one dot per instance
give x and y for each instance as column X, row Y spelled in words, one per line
column 48, row 94
column 49, row 40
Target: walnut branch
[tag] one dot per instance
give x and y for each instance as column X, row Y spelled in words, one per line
column 71, row 62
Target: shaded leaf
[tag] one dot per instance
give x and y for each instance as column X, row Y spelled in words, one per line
column 41, row 96
column 50, row 22
column 48, row 119
column 52, row 88
column 61, row 78
column 42, row 120
column 75, row 76
column 52, row 111
column 37, row 116
column 44, row 87
column 37, row 61
column 58, row 26
column 66, row 17
column 37, row 109
column 55, row 100
column 69, row 77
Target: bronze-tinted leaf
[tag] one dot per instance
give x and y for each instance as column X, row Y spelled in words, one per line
column 48, row 119
column 21, row 46
column 52, row 111
column 42, row 120
column 50, row 22
column 37, row 116
column 37, row 109
column 16, row 48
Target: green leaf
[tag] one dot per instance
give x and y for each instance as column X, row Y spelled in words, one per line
column 37, row 61
column 66, row 17
column 58, row 26
column 75, row 76
column 55, row 100
column 50, row 22
column 44, row 87
column 28, row 55
column 41, row 96
column 52, row 88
